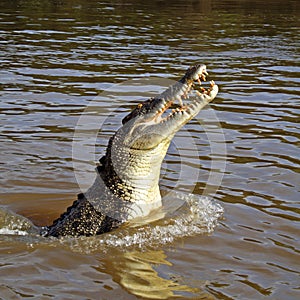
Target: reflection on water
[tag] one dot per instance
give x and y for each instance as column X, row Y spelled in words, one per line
column 137, row 274
column 57, row 56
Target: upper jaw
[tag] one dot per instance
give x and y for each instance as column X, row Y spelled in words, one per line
column 183, row 90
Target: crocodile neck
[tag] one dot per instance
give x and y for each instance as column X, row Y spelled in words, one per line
column 129, row 177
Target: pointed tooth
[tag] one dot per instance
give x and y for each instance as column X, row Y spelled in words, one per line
column 180, row 92
column 180, row 100
column 188, row 110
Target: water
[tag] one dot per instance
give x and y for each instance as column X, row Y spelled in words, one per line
column 60, row 57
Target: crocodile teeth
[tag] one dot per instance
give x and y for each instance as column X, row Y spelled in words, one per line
column 198, row 93
column 180, row 100
column 179, row 93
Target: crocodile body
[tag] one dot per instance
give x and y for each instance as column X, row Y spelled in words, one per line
column 126, row 185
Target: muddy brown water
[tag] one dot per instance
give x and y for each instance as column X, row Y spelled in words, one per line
column 61, row 60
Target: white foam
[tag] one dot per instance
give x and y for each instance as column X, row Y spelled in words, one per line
column 7, row 231
column 184, row 215
column 13, row 224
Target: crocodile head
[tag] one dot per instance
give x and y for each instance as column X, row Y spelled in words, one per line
column 156, row 120
column 131, row 166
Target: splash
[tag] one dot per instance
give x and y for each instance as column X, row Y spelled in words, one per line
column 195, row 215
column 182, row 215
column 13, row 224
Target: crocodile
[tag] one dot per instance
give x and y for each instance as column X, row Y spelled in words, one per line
column 127, row 179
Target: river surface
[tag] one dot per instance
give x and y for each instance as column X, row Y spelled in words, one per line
column 63, row 62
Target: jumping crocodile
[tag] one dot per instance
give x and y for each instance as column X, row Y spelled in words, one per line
column 127, row 181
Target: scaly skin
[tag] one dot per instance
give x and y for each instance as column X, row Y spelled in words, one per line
column 126, row 185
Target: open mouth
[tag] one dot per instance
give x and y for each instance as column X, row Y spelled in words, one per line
column 188, row 88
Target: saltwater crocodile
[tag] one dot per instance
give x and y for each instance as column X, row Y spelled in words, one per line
column 126, row 184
